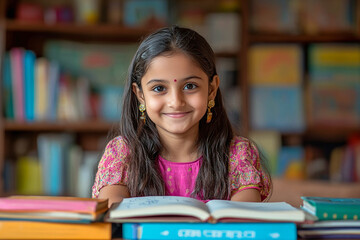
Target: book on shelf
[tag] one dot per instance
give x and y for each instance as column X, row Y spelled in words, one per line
column 28, row 175
column 143, row 13
column 325, row 208
column 223, row 31
column 180, row 209
column 277, row 108
column 50, row 230
column 329, row 16
column 41, row 88
column 7, row 85
column 291, row 162
column 52, row 209
column 334, row 86
column 29, row 59
column 276, row 65
column 52, row 149
column 276, row 16
column 17, row 69
column 269, row 144
column 159, row 231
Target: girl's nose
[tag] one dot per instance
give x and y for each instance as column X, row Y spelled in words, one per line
column 176, row 99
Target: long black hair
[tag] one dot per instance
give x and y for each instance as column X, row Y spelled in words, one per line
column 143, row 139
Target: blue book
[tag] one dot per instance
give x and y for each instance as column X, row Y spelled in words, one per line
column 29, row 85
column 143, row 12
column 277, row 108
column 56, row 168
column 158, row 231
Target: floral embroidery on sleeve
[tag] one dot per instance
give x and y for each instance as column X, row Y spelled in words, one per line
column 245, row 168
column 112, row 168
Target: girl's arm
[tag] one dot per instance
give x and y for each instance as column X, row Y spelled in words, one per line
column 115, row 193
column 247, row 195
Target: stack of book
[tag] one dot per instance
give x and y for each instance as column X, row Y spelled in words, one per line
column 169, row 217
column 40, row 217
column 338, row 218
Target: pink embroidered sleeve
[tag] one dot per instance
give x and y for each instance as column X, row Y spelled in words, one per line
column 112, row 168
column 245, row 168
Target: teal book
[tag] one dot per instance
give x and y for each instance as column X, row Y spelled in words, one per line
column 158, row 231
column 332, row 208
column 29, row 85
column 7, row 88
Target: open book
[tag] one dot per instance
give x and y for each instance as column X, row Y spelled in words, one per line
column 183, row 209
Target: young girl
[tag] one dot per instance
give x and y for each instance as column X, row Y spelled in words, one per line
column 175, row 137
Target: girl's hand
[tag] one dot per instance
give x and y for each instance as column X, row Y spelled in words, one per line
column 115, row 193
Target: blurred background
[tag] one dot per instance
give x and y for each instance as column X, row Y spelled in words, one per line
column 289, row 70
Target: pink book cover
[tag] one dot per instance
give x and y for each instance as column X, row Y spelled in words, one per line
column 16, row 56
column 43, row 205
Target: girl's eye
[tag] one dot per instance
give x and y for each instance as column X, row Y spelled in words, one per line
column 190, row 86
column 158, row 89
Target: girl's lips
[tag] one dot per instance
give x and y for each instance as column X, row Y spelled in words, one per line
column 176, row 115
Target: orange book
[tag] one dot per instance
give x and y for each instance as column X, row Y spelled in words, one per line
column 46, row 230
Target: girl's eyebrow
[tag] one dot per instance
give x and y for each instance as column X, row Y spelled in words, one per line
column 164, row 81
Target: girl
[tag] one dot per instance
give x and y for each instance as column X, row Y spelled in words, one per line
column 175, row 137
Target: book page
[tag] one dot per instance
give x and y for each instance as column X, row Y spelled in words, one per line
column 271, row 211
column 159, row 205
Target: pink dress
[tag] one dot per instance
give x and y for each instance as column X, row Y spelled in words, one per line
column 244, row 170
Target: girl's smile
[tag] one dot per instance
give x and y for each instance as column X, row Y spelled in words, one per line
column 176, row 114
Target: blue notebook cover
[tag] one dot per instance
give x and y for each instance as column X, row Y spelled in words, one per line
column 152, row 231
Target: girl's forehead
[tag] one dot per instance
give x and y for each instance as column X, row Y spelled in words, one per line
column 173, row 60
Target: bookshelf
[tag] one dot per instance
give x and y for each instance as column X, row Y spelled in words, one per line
column 290, row 190
column 16, row 33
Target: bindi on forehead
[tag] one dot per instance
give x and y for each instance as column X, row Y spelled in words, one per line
column 175, row 80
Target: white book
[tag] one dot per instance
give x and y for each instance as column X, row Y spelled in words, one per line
column 172, row 208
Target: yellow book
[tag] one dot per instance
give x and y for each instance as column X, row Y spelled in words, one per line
column 336, row 55
column 41, row 88
column 47, row 230
column 275, row 65
column 28, row 176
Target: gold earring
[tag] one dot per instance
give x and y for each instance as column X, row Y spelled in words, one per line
column 142, row 109
column 211, row 104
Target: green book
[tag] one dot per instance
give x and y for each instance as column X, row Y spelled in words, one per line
column 326, row 208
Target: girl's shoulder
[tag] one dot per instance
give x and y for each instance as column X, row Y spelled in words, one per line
column 242, row 149
column 116, row 148
column 242, row 143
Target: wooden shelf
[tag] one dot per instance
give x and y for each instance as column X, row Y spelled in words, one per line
column 99, row 30
column 81, row 126
column 287, row 38
column 291, row 190
column 330, row 133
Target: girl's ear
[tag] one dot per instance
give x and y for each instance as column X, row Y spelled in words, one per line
column 214, row 85
column 139, row 94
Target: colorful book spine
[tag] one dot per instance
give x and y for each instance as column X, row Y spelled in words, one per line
column 29, row 85
column 41, row 88
column 159, row 231
column 16, row 57
column 8, row 88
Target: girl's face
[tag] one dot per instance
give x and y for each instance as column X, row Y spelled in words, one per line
column 175, row 91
